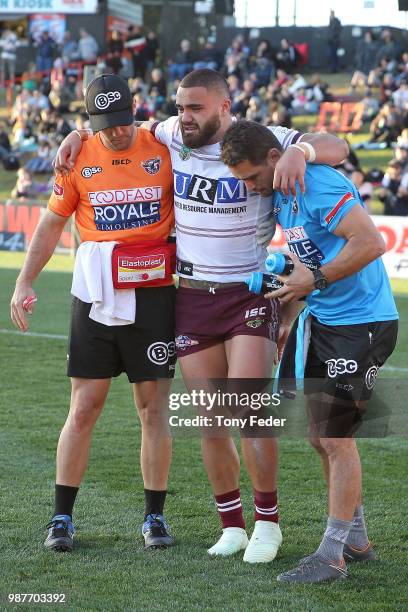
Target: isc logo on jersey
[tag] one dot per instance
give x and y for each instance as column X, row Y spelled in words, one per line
column 228, row 190
column 117, row 209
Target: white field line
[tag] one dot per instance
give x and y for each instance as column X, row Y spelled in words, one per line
column 15, row 332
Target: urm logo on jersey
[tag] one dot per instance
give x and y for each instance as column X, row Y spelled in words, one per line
column 206, row 190
column 117, row 209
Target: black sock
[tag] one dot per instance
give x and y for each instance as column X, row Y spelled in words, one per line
column 154, row 501
column 64, row 499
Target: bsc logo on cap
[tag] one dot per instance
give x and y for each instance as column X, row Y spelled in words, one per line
column 104, row 100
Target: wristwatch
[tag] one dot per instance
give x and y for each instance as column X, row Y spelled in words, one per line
column 320, row 281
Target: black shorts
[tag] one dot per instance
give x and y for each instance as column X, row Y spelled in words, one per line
column 342, row 366
column 145, row 350
column 345, row 358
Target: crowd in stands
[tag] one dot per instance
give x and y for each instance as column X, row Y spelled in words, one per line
column 267, row 82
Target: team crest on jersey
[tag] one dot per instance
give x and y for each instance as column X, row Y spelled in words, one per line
column 185, row 152
column 58, row 191
column 152, row 166
column 295, row 206
column 183, row 342
column 255, row 323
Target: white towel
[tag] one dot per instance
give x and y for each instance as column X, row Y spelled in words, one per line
column 92, row 283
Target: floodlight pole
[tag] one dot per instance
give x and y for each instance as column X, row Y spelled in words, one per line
column 277, row 14
column 294, row 12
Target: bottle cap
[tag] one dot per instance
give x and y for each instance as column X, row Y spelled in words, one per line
column 255, row 282
column 275, row 263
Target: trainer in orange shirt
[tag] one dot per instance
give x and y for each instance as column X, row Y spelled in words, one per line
column 121, row 190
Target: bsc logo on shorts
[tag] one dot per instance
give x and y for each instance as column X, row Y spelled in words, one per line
column 159, row 352
column 340, row 366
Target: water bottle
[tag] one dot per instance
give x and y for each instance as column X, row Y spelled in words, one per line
column 263, row 283
column 279, row 263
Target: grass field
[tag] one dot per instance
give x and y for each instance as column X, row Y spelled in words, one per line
column 108, row 569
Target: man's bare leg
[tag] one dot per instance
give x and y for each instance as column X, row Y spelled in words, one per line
column 260, row 453
column 220, row 456
column 151, row 400
column 87, row 400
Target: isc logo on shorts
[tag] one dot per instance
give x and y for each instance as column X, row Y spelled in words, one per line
column 254, row 312
column 160, row 352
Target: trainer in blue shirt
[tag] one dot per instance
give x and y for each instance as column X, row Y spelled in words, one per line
column 351, row 319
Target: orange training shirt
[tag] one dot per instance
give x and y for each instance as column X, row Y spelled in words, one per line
column 125, row 196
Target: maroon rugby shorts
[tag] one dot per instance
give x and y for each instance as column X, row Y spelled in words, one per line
column 205, row 318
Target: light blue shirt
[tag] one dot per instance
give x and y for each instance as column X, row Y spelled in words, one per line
column 308, row 221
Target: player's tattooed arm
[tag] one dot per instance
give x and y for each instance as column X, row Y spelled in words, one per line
column 312, row 148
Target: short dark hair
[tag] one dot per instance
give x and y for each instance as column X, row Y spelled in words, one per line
column 247, row 140
column 205, row 77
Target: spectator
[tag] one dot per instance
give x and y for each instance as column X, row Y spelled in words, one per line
column 46, row 48
column 365, row 60
column 233, row 85
column 240, row 52
column 158, row 83
column 24, row 185
column 371, row 106
column 87, row 47
column 241, row 102
column 365, row 188
column 5, row 146
column 400, row 96
column 29, row 78
column 136, row 43
column 393, row 194
column 334, row 34
column 277, row 115
column 151, row 50
column 37, row 103
column 387, row 88
column 115, row 51
column 255, row 110
column 286, row 57
column 60, row 97
column 63, row 128
column 69, row 49
column 42, row 162
column 261, row 65
column 207, row 57
column 142, row 112
column 20, row 106
column 232, row 67
column 386, row 126
column 8, row 44
column 183, row 62
column 389, row 50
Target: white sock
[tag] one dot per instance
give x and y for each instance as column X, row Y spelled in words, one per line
column 264, row 543
column 233, row 540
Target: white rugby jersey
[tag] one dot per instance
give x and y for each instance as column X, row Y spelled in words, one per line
column 216, row 218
